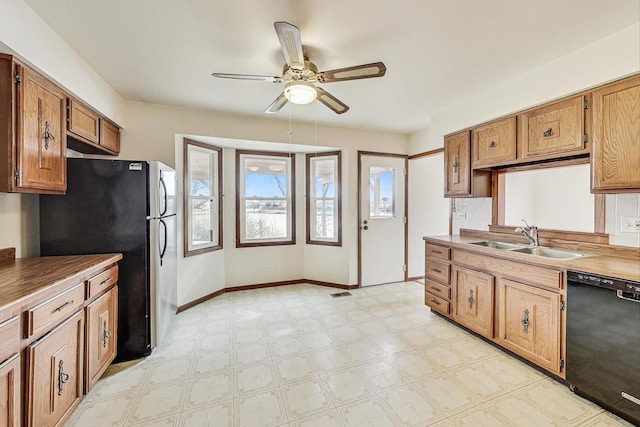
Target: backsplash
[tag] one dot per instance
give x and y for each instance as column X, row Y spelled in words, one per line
column 619, row 206
column 473, row 213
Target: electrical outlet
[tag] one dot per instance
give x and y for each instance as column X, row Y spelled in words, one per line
column 630, row 224
column 461, row 215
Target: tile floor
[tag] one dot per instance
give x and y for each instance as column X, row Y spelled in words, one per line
column 294, row 356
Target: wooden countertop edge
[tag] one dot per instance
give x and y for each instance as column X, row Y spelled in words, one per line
column 11, row 307
column 586, row 265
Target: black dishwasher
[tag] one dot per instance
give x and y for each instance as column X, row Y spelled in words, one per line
column 603, row 342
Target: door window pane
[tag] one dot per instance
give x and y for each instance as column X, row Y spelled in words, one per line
column 382, row 192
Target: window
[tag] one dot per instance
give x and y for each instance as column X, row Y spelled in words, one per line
column 382, row 203
column 202, row 197
column 265, row 202
column 324, row 199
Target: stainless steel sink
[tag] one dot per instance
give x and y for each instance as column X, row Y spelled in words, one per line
column 497, row 245
column 546, row 252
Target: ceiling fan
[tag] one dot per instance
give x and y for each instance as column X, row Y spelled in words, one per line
column 301, row 76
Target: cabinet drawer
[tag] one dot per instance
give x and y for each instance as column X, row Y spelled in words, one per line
column 437, row 289
column 437, row 270
column 53, row 311
column 437, row 251
column 494, row 143
column 101, row 282
column 9, row 337
column 435, row 303
column 519, row 271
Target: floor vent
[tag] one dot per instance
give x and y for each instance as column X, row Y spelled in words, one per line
column 341, row 294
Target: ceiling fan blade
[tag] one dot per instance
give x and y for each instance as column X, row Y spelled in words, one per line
column 291, row 43
column 331, row 101
column 277, row 104
column 366, row 71
column 269, row 79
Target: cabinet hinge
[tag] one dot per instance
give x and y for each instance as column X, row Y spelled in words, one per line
column 562, row 362
column 585, row 104
column 17, row 78
column 404, row 267
column 16, row 174
column 562, row 305
column 585, row 138
column 404, row 219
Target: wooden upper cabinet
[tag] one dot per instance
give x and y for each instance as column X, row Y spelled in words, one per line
column 32, row 131
column 109, row 136
column 615, row 157
column 82, row 122
column 494, row 143
column 459, row 179
column 89, row 132
column 553, row 130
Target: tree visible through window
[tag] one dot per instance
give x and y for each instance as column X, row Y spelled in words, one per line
column 202, row 197
column 265, row 202
column 324, row 201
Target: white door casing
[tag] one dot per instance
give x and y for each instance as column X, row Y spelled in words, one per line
column 382, row 219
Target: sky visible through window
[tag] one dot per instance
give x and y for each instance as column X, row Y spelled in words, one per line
column 264, row 185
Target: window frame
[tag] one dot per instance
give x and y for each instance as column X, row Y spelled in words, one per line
column 240, row 197
column 187, row 198
column 310, row 199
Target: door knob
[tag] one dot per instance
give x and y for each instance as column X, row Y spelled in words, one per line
column 366, row 227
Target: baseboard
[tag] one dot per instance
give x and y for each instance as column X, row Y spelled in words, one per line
column 199, row 300
column 415, row 278
column 262, row 285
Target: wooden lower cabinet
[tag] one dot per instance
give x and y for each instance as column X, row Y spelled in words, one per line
column 530, row 323
column 100, row 340
column 10, row 392
column 473, row 296
column 54, row 373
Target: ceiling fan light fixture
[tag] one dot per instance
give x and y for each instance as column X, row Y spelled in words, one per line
column 300, row 92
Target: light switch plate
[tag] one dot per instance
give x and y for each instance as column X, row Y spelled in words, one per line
column 461, row 215
column 630, row 224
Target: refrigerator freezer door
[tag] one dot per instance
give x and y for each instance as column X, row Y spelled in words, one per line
column 163, row 249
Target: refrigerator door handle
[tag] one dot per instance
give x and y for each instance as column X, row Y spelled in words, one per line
column 162, row 246
column 163, row 187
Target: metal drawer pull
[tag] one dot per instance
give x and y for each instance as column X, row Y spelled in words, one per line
column 63, row 306
column 435, row 302
column 525, row 321
column 435, row 289
column 436, row 270
column 436, row 252
column 107, row 280
column 106, row 334
column 547, row 133
column 470, row 299
column 62, row 378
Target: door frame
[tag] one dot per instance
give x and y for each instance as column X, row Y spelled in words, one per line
column 406, row 209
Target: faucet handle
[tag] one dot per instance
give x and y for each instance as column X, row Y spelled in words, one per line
column 526, row 223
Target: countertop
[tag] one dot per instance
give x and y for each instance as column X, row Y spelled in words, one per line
column 24, row 278
column 601, row 264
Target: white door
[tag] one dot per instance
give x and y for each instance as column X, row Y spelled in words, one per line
column 382, row 221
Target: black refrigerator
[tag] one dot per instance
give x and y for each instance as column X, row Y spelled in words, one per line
column 127, row 207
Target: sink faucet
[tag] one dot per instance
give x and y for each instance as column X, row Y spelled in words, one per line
column 530, row 232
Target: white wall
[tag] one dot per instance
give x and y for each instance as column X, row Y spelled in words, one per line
column 428, row 209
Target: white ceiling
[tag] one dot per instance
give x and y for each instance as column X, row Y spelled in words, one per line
column 436, row 51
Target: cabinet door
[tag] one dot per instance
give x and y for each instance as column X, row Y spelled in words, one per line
column 109, row 136
column 101, row 336
column 10, row 392
column 615, row 160
column 530, row 323
column 494, row 144
column 41, row 137
column 473, row 300
column 457, row 164
column 54, row 373
column 556, row 129
column 83, row 122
